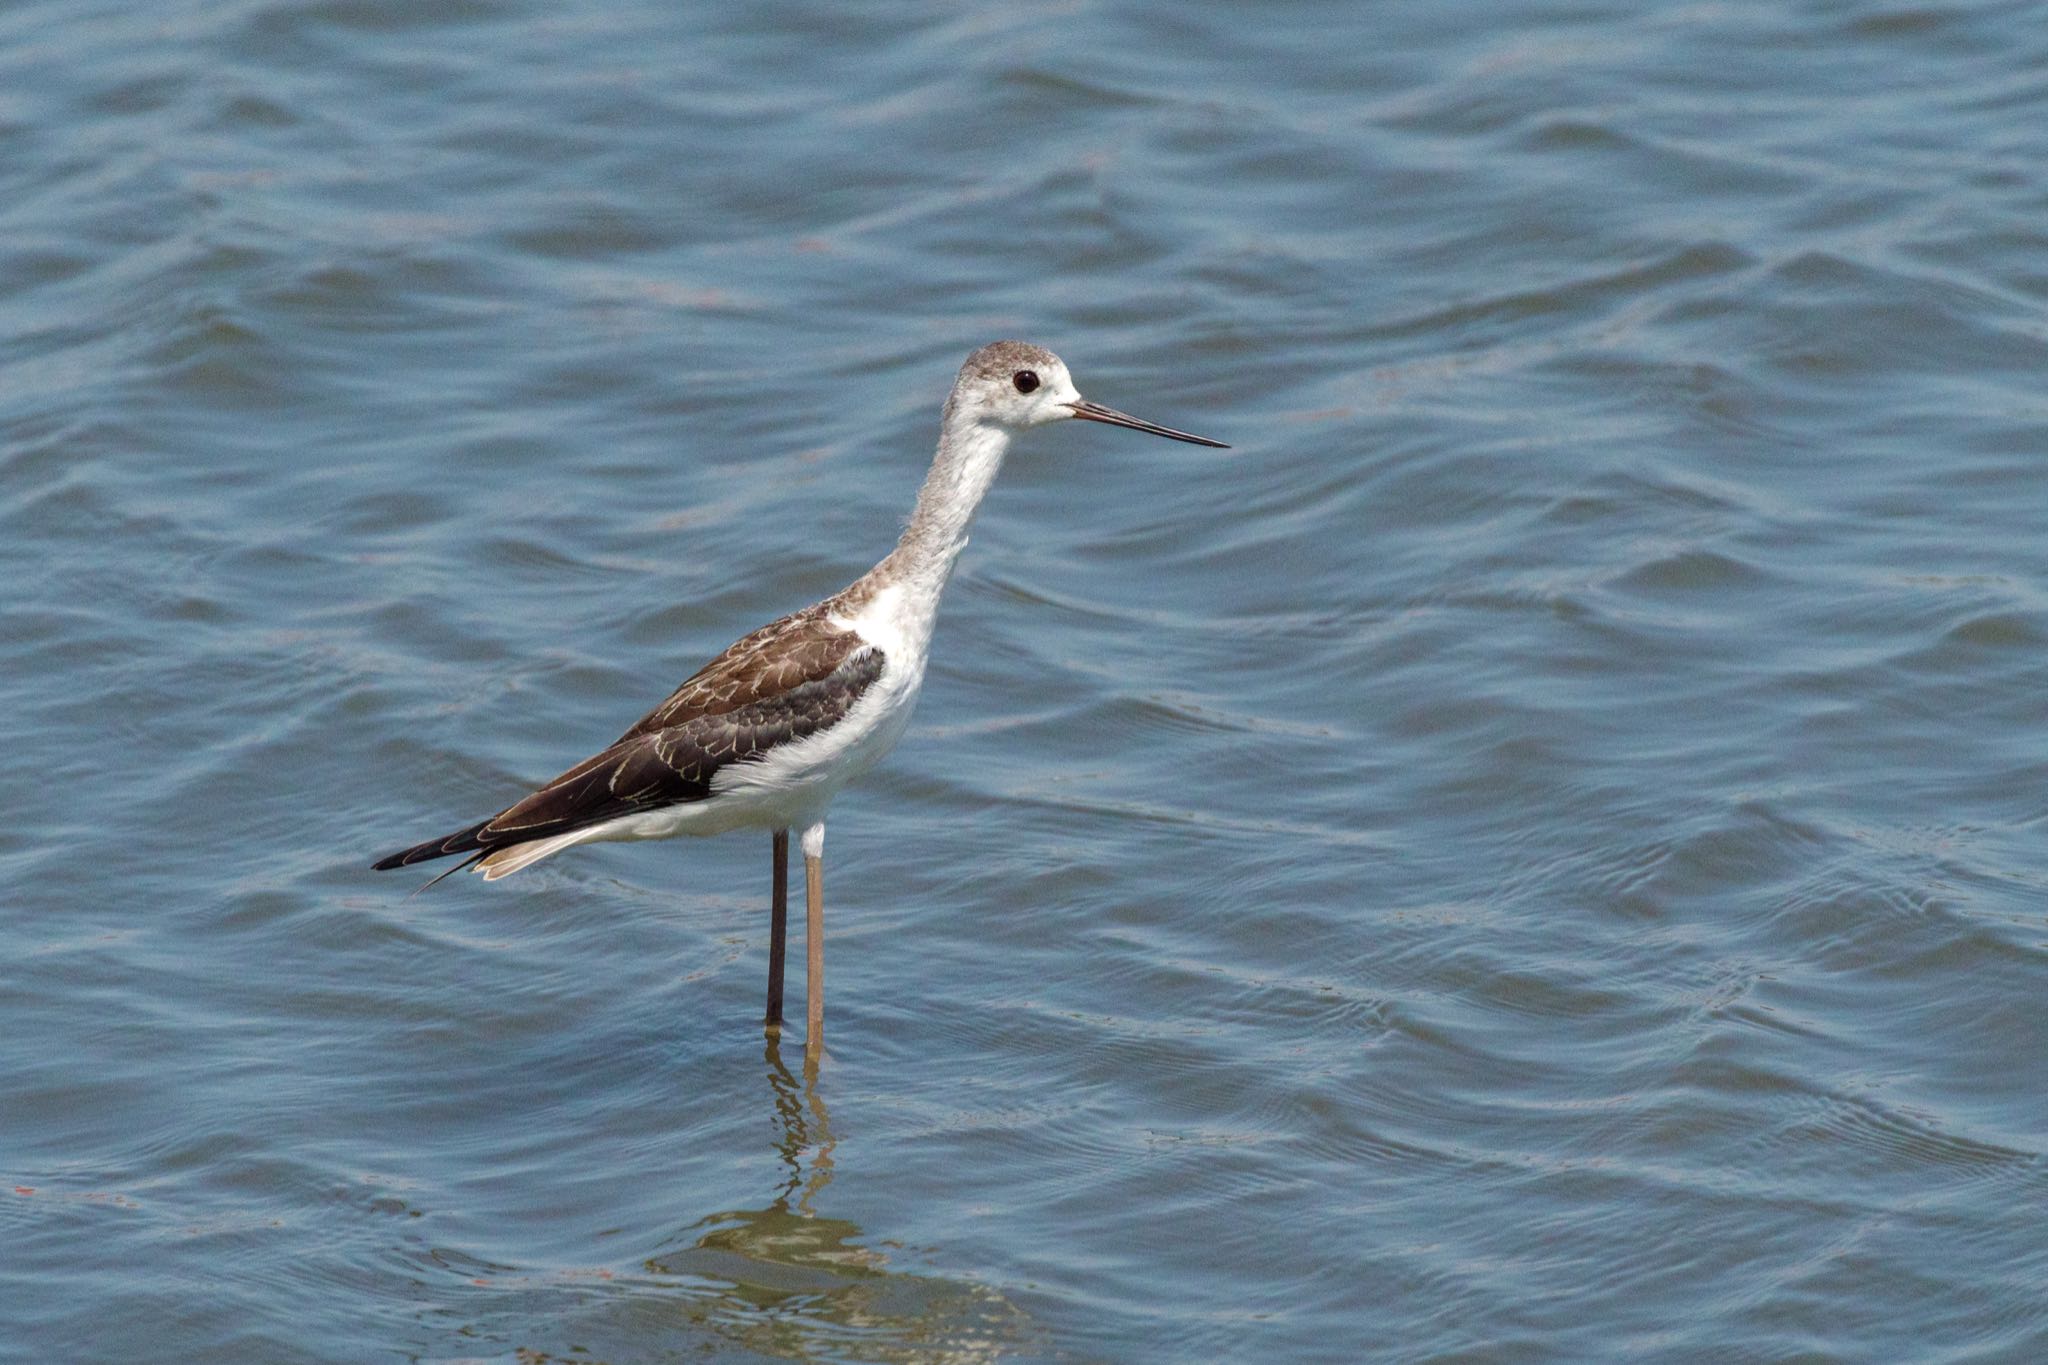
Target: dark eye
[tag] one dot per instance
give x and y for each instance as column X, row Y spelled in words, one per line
column 1025, row 380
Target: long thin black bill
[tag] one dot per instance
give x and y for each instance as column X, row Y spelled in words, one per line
column 1095, row 412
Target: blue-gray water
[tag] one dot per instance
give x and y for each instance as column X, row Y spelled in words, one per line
column 1536, row 855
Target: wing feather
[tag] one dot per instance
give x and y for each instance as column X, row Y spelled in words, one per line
column 774, row 661
column 784, row 682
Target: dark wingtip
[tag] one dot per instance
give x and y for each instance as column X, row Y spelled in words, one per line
column 462, row 841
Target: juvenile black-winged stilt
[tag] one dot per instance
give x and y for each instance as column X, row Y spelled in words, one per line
column 765, row 735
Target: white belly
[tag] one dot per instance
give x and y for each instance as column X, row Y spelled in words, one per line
column 793, row 783
column 790, row 786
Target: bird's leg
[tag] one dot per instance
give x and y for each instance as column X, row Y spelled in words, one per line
column 778, row 928
column 814, row 943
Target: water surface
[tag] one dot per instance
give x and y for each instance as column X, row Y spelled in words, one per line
column 1535, row 855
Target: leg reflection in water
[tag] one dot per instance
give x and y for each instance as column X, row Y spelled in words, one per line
column 786, row 1246
column 806, row 1128
column 787, row 1281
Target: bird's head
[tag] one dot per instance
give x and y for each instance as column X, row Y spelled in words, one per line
column 1016, row 385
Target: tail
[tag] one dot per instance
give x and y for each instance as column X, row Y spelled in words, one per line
column 494, row 861
column 503, row 862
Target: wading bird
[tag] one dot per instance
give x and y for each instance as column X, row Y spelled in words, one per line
column 765, row 735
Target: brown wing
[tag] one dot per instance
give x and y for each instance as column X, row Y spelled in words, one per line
column 791, row 678
column 800, row 648
column 656, row 768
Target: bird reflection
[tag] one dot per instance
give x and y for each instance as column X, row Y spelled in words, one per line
column 795, row 1282
column 789, row 1235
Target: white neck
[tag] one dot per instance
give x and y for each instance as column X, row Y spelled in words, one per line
column 970, row 454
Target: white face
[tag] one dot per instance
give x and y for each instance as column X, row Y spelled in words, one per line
column 1029, row 396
